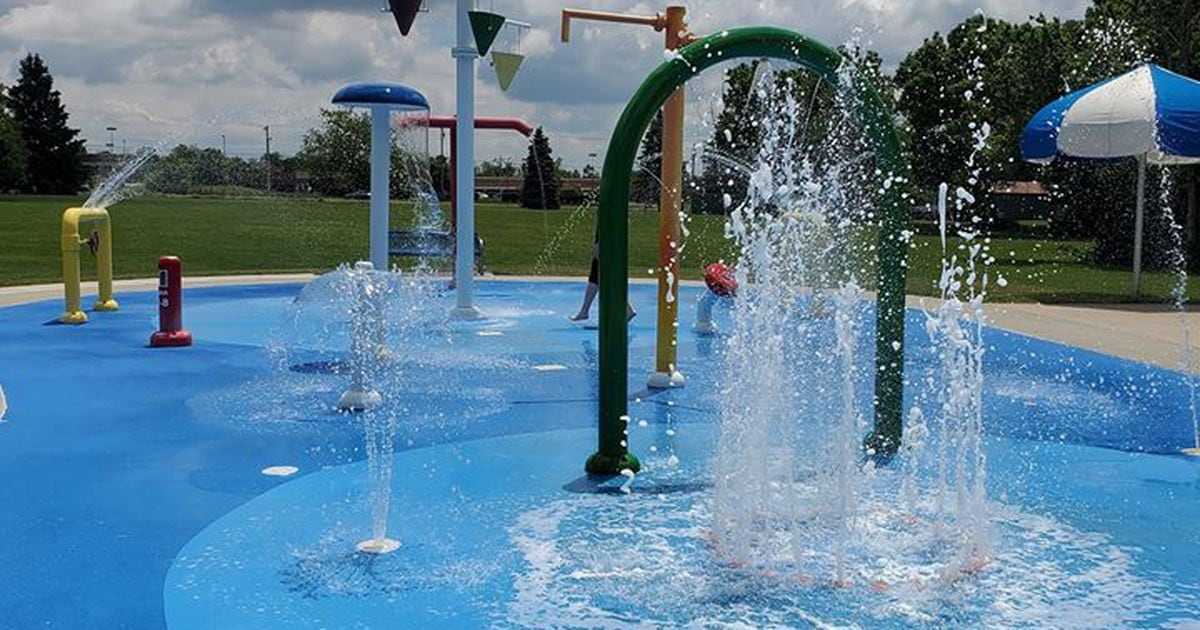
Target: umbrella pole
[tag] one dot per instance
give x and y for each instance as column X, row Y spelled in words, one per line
column 1138, row 220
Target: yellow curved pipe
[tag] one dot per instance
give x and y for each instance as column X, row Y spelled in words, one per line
column 73, row 220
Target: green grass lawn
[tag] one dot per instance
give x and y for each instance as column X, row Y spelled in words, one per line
column 1038, row 270
column 229, row 236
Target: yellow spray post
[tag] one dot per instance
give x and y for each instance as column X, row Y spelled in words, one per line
column 674, row 23
column 75, row 223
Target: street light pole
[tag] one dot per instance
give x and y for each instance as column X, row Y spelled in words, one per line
column 267, row 130
column 112, row 165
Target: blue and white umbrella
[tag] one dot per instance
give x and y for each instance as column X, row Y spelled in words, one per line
column 1148, row 113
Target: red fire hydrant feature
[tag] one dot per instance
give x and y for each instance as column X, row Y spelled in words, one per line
column 721, row 280
column 170, row 306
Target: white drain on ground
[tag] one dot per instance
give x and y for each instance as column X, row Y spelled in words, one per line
column 280, row 471
column 378, row 546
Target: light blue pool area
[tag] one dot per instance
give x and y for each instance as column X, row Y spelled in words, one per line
column 133, row 495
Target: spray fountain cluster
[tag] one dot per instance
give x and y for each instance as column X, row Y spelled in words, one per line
column 795, row 490
column 791, row 355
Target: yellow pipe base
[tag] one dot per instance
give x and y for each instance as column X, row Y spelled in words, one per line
column 665, row 380
column 106, row 305
column 74, row 318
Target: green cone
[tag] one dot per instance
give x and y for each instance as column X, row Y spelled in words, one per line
column 486, row 27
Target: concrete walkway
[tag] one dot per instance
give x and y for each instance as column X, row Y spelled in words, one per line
column 1150, row 333
column 10, row 296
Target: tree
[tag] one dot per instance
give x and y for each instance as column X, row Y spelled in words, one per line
column 54, row 154
column 189, row 169
column 12, row 148
column 870, row 65
column 754, row 93
column 564, row 172
column 497, row 167
column 734, row 139
column 337, row 157
column 283, row 172
column 1168, row 31
column 173, row 173
column 994, row 72
column 927, row 105
column 439, row 174
column 984, row 71
column 540, row 188
column 991, row 71
column 337, row 154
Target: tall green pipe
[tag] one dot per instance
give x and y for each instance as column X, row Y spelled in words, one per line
column 612, row 455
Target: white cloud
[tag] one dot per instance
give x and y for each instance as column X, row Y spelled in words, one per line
column 106, row 23
column 195, row 69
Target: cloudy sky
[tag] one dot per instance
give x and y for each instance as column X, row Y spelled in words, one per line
column 192, row 70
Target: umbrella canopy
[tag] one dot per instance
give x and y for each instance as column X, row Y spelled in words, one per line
column 1148, row 113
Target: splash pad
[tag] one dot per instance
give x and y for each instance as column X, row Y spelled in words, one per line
column 723, row 521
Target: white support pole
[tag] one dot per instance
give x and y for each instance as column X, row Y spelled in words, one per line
column 464, row 263
column 1138, row 219
column 381, row 158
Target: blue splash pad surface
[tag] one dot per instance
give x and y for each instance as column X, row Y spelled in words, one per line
column 501, row 533
column 115, row 456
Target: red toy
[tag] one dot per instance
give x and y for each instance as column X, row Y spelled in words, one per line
column 170, row 306
column 721, row 279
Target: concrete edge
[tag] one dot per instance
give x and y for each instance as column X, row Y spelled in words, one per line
column 1135, row 334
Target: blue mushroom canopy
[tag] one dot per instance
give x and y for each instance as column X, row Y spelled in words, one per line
column 390, row 95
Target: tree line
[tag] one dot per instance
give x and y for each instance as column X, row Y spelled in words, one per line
column 983, row 70
column 334, row 161
column 41, row 154
column 1000, row 73
column 1025, row 66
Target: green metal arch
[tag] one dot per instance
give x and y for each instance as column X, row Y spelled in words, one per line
column 613, row 455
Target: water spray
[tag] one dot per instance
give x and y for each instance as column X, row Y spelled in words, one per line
column 365, row 341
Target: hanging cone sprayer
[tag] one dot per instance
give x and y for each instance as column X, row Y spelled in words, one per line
column 486, row 26
column 508, row 62
column 405, row 12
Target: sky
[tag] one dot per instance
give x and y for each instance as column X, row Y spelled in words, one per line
column 170, row 71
